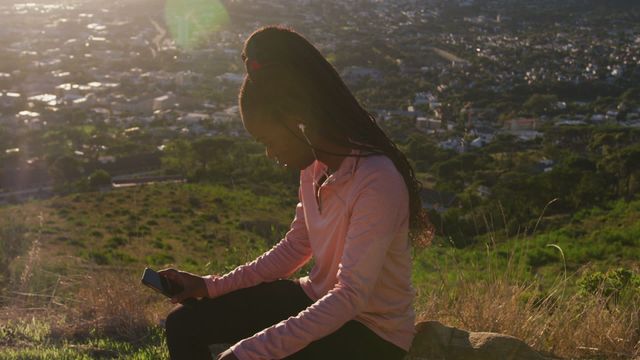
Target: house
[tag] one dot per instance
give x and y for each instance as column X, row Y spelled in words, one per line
column 9, row 99
column 424, row 123
column 161, row 78
column 135, row 105
column 232, row 78
column 355, row 74
column 611, row 115
column 108, row 55
column 163, row 102
column 569, row 122
column 420, row 99
column 131, row 130
column 27, row 117
column 479, row 142
column 187, row 78
column 543, row 165
column 45, row 99
column 633, row 116
column 197, row 129
column 631, row 123
column 84, row 102
column 456, row 144
column 521, row 124
column 68, row 92
column 229, row 114
column 485, row 116
column 483, row 191
column 98, row 87
column 526, row 135
column 194, row 117
column 105, row 159
column 424, row 98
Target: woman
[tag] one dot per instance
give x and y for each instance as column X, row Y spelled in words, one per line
column 359, row 205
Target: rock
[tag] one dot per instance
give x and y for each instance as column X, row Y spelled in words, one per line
column 435, row 341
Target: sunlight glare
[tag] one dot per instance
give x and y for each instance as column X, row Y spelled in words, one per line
column 190, row 22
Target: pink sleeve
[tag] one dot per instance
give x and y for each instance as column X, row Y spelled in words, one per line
column 280, row 262
column 377, row 215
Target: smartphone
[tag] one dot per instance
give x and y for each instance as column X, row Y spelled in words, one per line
column 159, row 283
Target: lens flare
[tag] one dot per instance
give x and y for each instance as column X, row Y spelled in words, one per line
column 191, row 22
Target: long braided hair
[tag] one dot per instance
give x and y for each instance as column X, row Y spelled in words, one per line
column 288, row 77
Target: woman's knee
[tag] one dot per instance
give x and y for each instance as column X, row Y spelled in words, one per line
column 178, row 320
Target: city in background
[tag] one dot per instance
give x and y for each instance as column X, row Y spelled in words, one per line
column 121, row 145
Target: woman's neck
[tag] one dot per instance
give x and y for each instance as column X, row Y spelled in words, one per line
column 333, row 162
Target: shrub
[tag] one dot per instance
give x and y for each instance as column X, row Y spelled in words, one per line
column 111, row 307
column 160, row 259
column 612, row 283
column 13, row 242
column 541, row 256
column 195, row 202
column 116, row 242
column 98, row 257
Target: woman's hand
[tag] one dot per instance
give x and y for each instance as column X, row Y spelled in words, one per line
column 193, row 286
column 227, row 355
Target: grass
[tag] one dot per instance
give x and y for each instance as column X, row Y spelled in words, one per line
column 30, row 338
column 117, row 228
column 109, row 316
column 72, row 264
column 553, row 319
column 573, row 291
column 71, row 267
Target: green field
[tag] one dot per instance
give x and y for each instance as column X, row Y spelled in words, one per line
column 70, row 268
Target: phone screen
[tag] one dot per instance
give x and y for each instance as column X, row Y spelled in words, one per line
column 153, row 280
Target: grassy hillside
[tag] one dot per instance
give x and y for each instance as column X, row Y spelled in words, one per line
column 200, row 227
column 70, row 268
column 592, row 240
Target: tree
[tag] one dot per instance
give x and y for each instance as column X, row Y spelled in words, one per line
column 631, row 97
column 99, row 178
column 211, row 150
column 630, row 166
column 178, row 157
column 625, row 165
column 65, row 169
column 541, row 104
column 424, row 152
column 521, row 196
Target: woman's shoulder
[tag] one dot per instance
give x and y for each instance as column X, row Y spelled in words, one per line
column 377, row 175
column 378, row 167
column 377, row 163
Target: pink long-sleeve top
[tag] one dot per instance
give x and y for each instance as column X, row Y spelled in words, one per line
column 356, row 230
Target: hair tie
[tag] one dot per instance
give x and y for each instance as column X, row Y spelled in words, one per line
column 254, row 65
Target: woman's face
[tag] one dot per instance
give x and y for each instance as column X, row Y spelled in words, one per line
column 281, row 144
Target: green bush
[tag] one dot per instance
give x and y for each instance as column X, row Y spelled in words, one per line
column 116, row 242
column 98, row 257
column 542, row 256
column 13, row 242
column 160, row 259
column 612, row 283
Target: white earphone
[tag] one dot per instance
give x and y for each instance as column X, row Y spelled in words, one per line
column 301, row 126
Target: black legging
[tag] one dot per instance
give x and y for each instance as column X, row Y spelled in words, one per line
column 242, row 313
